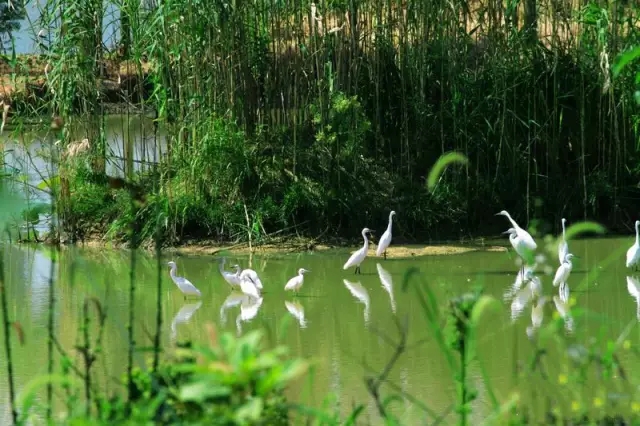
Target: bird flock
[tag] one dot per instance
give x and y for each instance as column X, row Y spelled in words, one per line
column 526, row 286
column 249, row 283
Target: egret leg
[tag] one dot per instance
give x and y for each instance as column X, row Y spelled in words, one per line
column 357, row 269
column 385, row 255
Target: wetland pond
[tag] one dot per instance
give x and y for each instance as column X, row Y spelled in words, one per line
column 337, row 320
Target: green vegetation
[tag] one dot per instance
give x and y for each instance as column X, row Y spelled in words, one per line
column 277, row 127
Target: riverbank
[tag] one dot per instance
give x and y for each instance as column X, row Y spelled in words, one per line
column 27, row 81
column 296, row 245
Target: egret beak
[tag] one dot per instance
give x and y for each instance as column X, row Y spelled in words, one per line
column 506, row 232
column 498, row 214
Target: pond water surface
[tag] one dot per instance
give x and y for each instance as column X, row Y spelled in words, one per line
column 344, row 317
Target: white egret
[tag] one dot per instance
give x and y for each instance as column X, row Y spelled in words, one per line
column 524, row 239
column 563, row 247
column 633, row 287
column 297, row 310
column 296, row 282
column 248, row 287
column 633, row 254
column 357, row 257
column 519, row 246
column 385, row 240
column 562, row 274
column 233, row 278
column 183, row 284
column 253, row 276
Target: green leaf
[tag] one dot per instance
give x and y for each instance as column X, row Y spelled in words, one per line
column 583, row 228
column 202, row 390
column 443, row 162
column 50, row 184
column 624, row 59
column 30, row 391
column 250, row 411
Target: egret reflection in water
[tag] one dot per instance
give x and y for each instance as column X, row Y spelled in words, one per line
column 537, row 315
column 249, row 308
column 564, row 292
column 297, row 310
column 360, row 293
column 633, row 287
column 565, row 313
column 233, row 299
column 387, row 283
column 183, row 316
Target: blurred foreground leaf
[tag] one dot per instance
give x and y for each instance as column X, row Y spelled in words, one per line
column 443, row 162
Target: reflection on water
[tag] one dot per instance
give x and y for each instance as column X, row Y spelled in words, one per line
column 332, row 318
column 565, row 313
column 387, row 283
column 297, row 310
column 249, row 307
column 233, row 299
column 360, row 293
column 183, row 316
column 633, row 287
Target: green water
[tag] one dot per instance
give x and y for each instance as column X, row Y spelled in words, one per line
column 340, row 332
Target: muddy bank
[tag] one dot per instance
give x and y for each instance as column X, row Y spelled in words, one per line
column 297, row 245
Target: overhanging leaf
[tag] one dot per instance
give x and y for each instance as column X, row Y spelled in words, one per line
column 443, row 162
column 624, row 59
column 583, row 228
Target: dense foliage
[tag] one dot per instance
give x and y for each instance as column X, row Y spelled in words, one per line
column 276, row 125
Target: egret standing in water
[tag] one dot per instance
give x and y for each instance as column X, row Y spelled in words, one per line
column 233, row 278
column 357, row 257
column 633, row 254
column 253, row 276
column 562, row 274
column 518, row 245
column 563, row 247
column 385, row 240
column 183, row 284
column 296, row 282
column 520, row 239
column 523, row 236
column 248, row 287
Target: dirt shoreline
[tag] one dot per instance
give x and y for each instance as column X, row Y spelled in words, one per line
column 210, row 248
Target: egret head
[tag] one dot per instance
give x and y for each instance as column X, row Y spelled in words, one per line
column 568, row 257
column 564, row 221
column 367, row 230
column 393, row 213
column 302, row 271
column 510, row 231
column 237, row 268
column 637, row 223
column 172, row 263
column 503, row 213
